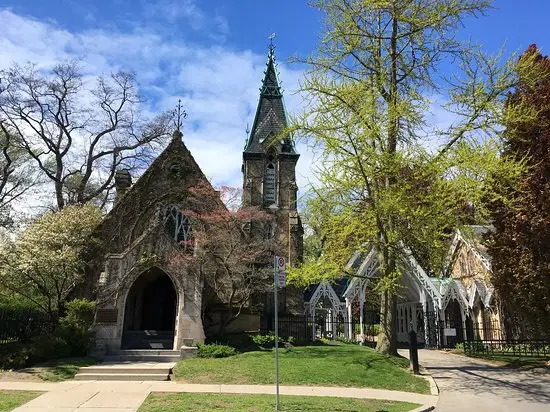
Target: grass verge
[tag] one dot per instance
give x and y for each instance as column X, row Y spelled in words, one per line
column 206, row 402
column 331, row 365
column 10, row 400
column 61, row 369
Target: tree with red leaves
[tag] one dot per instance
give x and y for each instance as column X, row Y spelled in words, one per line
column 520, row 246
column 233, row 252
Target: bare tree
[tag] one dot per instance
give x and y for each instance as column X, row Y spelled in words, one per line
column 16, row 174
column 77, row 132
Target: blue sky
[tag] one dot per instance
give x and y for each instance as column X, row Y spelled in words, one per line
column 211, row 53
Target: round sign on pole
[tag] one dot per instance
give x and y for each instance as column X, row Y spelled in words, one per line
column 281, row 263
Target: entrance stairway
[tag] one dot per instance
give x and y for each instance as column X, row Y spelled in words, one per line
column 132, row 365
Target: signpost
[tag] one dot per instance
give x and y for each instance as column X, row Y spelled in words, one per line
column 279, row 280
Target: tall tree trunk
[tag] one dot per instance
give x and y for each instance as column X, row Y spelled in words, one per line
column 387, row 339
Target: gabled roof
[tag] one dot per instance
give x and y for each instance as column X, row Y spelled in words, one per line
column 270, row 119
column 473, row 240
column 167, row 180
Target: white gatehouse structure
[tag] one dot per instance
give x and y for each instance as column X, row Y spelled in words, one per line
column 445, row 310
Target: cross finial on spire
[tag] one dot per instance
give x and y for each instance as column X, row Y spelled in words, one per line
column 271, row 45
column 180, row 115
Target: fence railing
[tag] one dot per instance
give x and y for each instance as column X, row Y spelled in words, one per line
column 528, row 348
column 306, row 328
column 18, row 325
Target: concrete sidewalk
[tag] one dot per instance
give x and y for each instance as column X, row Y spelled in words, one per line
column 96, row 396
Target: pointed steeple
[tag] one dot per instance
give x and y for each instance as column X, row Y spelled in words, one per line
column 270, row 119
column 270, row 85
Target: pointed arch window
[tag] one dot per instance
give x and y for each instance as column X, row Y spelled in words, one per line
column 178, row 226
column 270, row 183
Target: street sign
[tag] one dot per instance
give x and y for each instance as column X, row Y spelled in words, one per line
column 280, row 263
column 281, row 279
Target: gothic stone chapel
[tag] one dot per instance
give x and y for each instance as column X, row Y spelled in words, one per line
column 146, row 299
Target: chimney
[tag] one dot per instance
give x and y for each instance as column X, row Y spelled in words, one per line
column 123, row 181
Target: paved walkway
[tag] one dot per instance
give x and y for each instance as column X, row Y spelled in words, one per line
column 472, row 385
column 96, row 396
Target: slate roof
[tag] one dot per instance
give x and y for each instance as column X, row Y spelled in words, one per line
column 270, row 119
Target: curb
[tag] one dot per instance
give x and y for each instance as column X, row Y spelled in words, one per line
column 424, row 408
column 434, row 389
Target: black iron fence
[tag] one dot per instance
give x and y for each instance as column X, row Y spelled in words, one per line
column 527, row 348
column 307, row 328
column 21, row 325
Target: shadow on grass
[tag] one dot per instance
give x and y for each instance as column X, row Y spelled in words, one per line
column 60, row 369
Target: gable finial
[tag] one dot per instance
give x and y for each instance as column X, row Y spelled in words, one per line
column 179, row 116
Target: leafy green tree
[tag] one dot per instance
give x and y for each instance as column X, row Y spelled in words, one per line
column 48, row 260
column 520, row 245
column 385, row 181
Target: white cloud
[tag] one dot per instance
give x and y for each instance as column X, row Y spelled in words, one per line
column 219, row 87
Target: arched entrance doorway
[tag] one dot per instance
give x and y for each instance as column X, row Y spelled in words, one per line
column 453, row 320
column 150, row 312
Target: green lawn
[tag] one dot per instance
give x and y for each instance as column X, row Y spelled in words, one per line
column 334, row 365
column 206, row 402
column 61, row 369
column 10, row 400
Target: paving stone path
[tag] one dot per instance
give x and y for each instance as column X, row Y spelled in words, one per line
column 467, row 384
column 96, row 396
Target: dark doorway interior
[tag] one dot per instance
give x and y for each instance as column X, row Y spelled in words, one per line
column 150, row 312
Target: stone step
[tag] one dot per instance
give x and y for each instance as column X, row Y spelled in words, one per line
column 126, row 371
column 130, row 369
column 145, row 352
column 121, row 377
column 142, row 358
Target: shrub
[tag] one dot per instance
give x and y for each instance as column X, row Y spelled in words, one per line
column 76, row 327
column 346, row 341
column 47, row 347
column 268, row 341
column 15, row 355
column 264, row 341
column 214, row 350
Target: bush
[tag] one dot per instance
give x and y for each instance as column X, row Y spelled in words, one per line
column 46, row 347
column 346, row 341
column 264, row 341
column 268, row 341
column 76, row 327
column 15, row 355
column 215, row 350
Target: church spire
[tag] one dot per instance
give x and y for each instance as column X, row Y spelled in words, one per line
column 270, row 85
column 270, row 119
